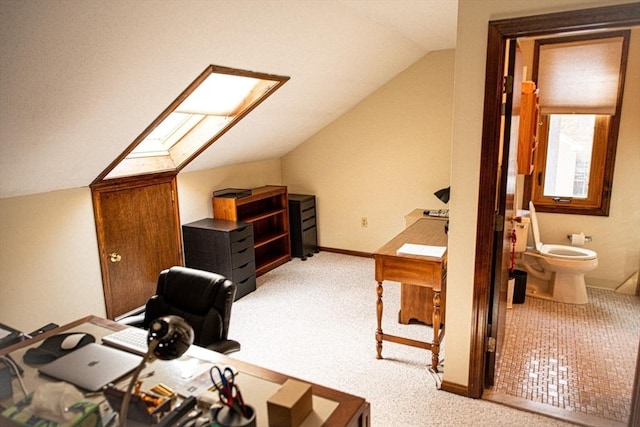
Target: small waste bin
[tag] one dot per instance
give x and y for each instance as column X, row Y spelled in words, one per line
column 520, row 287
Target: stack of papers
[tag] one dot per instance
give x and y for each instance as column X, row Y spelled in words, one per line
column 424, row 250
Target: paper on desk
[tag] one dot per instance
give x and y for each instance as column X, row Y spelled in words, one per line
column 424, row 250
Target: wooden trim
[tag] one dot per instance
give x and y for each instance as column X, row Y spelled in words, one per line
column 598, row 200
column 496, row 50
column 132, row 181
column 455, row 388
column 346, row 252
column 499, row 32
column 184, row 160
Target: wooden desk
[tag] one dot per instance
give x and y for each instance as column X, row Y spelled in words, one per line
column 349, row 410
column 417, row 270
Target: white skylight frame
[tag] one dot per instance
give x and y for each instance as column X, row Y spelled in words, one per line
column 218, row 99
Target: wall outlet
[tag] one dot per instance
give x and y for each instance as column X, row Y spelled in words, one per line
column 364, row 222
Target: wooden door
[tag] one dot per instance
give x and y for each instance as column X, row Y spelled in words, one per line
column 138, row 227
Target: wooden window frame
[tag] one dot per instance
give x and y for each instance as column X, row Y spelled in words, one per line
column 598, row 201
column 596, row 174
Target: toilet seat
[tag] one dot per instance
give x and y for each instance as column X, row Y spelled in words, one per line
column 557, row 251
column 567, row 252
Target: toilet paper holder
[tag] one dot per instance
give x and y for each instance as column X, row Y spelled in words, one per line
column 586, row 238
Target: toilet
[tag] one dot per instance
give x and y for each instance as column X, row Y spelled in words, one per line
column 556, row 272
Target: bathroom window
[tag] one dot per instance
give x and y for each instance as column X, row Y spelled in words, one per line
column 581, row 81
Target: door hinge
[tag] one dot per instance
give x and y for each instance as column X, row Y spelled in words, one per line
column 491, row 345
column 173, row 197
column 499, row 223
column 507, row 84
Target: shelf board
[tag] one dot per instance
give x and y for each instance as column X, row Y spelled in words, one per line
column 270, row 238
column 271, row 264
column 262, row 215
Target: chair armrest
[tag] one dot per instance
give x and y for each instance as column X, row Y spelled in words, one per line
column 137, row 320
column 225, row 346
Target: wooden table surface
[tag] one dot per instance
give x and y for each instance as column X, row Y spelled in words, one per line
column 351, row 410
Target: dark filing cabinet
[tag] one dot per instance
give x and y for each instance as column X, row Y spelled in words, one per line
column 223, row 247
column 302, row 225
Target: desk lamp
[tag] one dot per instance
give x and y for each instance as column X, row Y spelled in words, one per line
column 443, row 194
column 169, row 337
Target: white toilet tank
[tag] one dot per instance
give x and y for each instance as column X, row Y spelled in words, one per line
column 522, row 231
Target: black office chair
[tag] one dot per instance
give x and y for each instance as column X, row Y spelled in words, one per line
column 203, row 299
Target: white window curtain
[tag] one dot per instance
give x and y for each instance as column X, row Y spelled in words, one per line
column 580, row 77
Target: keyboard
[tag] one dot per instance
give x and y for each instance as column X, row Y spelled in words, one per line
column 441, row 213
column 131, row 339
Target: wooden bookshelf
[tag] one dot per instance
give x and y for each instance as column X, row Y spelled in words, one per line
column 266, row 208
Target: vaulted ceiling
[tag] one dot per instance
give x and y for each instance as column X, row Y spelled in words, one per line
column 80, row 80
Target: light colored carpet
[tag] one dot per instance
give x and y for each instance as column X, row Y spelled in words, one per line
column 316, row 320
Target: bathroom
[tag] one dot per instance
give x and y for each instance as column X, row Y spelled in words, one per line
column 540, row 345
column 615, row 236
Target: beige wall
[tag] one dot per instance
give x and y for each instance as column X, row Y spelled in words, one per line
column 380, row 160
column 470, row 59
column 49, row 266
column 196, row 188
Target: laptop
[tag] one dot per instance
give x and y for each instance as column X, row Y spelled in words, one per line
column 92, row 367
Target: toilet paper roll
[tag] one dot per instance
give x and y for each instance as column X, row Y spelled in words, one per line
column 577, row 239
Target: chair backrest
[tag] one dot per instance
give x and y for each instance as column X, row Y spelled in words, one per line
column 203, row 299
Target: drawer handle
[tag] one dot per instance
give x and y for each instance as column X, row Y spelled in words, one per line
column 243, row 266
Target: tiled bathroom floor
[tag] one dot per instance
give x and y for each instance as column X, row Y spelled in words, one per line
column 579, row 358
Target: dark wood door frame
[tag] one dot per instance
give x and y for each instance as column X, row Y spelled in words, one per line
column 499, row 32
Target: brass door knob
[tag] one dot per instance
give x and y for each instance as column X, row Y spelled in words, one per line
column 114, row 257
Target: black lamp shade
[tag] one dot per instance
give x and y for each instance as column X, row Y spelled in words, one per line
column 443, row 194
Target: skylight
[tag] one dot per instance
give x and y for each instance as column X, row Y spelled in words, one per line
column 218, row 99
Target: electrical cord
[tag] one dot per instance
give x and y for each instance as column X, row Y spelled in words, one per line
column 435, row 375
column 12, row 365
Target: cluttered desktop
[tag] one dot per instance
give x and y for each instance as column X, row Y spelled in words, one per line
column 93, row 372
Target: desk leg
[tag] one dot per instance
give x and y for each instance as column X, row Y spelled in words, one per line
column 435, row 345
column 379, row 330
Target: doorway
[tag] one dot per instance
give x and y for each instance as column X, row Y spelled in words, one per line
column 138, row 228
column 499, row 33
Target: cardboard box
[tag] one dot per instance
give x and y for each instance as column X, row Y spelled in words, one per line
column 87, row 414
column 290, row 405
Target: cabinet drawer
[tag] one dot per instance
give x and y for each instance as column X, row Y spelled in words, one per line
column 242, row 257
column 241, row 245
column 241, row 233
column 308, row 223
column 308, row 204
column 309, row 213
column 240, row 273
column 245, row 286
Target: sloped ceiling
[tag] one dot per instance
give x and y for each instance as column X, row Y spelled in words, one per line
column 80, row 80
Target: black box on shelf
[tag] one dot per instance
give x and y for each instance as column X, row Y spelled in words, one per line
column 232, row 193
